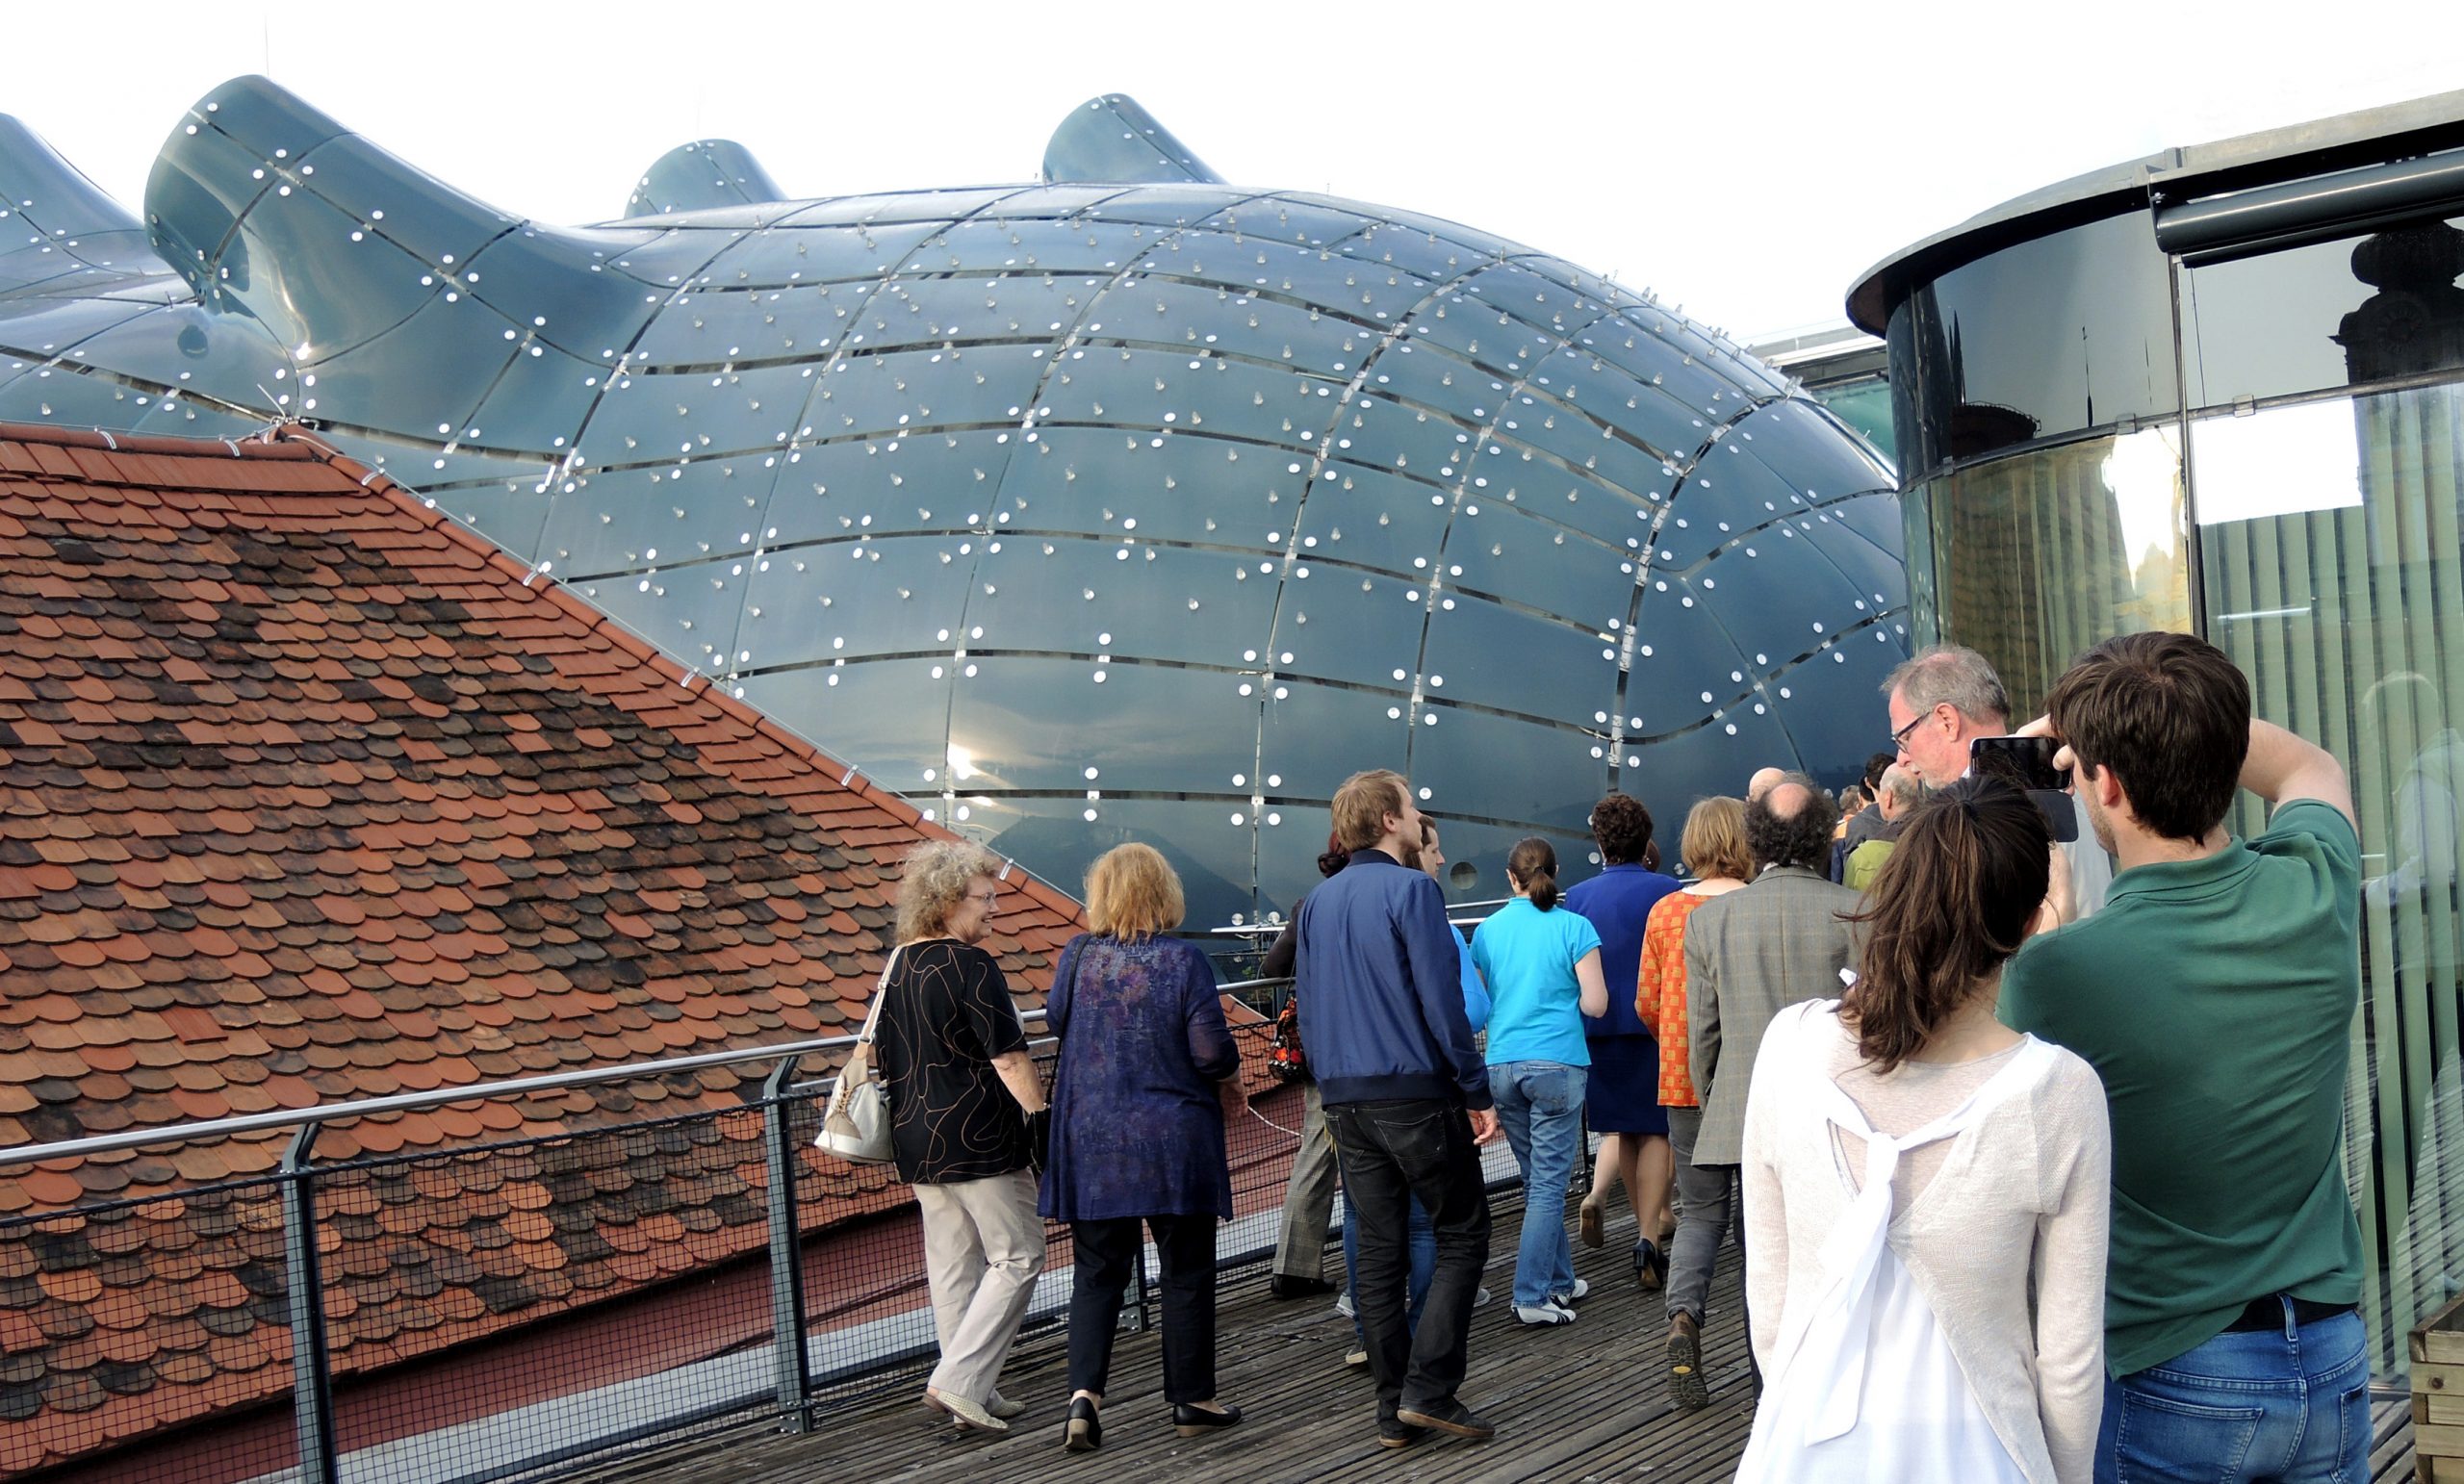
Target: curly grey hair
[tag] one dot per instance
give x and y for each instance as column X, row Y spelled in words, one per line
column 936, row 881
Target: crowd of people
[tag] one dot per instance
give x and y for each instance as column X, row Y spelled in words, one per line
column 2024, row 1108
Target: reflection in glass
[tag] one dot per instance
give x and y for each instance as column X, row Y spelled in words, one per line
column 2353, row 311
column 2051, row 336
column 2038, row 556
column 2345, row 619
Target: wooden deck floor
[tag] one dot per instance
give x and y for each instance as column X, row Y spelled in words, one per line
column 1580, row 1402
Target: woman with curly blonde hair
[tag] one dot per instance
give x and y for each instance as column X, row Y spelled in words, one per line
column 963, row 1092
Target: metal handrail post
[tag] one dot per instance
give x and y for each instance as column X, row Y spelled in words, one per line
column 793, row 1368
column 312, row 1378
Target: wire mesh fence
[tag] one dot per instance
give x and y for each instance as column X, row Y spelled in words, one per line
column 504, row 1310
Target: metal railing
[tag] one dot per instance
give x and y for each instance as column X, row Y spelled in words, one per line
column 785, row 1109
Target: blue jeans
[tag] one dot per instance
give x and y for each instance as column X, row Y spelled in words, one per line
column 1422, row 1249
column 2289, row 1404
column 1540, row 1104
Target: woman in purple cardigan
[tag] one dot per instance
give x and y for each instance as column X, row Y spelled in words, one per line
column 1146, row 1067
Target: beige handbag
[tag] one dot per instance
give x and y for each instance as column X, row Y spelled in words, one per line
column 856, row 1128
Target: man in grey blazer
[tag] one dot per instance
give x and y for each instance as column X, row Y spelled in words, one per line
column 1748, row 954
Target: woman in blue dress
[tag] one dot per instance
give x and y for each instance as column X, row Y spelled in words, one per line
column 1146, row 1067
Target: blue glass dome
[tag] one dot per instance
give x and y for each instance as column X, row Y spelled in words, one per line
column 1124, row 504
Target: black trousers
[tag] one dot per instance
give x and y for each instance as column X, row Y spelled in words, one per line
column 1107, row 1252
column 1393, row 1153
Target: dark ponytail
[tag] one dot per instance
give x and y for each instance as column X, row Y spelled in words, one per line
column 1336, row 855
column 1954, row 901
column 1534, row 863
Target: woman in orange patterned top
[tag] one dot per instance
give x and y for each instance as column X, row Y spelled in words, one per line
column 1712, row 850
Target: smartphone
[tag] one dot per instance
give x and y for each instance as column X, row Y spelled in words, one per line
column 2028, row 761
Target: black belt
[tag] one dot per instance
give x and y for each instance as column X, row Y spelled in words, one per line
column 2259, row 1315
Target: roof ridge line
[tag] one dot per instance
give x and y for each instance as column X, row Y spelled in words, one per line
column 851, row 779
column 175, row 444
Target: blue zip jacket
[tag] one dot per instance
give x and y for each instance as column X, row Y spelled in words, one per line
column 1381, row 989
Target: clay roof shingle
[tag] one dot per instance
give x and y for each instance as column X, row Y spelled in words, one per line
column 307, row 794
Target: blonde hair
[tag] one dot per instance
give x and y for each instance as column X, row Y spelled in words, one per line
column 1713, row 843
column 1362, row 804
column 936, row 881
column 1133, row 893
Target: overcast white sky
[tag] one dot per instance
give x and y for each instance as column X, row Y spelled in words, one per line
column 1747, row 162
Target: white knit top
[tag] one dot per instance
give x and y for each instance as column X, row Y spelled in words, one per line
column 2023, row 1191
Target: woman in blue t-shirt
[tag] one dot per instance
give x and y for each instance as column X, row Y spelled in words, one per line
column 1542, row 967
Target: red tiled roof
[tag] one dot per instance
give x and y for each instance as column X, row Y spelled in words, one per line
column 307, row 794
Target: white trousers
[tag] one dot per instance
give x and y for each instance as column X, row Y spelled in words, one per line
column 982, row 1248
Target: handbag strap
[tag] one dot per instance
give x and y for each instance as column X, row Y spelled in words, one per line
column 881, row 992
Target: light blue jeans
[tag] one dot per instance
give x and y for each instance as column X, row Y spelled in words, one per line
column 1540, row 1104
column 2289, row 1404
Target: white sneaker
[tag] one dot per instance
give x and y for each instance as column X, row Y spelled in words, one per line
column 1479, row 1298
column 1568, row 1300
column 1545, row 1314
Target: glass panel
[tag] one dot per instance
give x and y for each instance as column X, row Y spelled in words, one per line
column 1029, row 246
column 428, row 219
column 426, row 372
column 2344, row 613
column 1318, row 735
column 1539, row 667
column 1281, row 219
column 1369, row 517
column 1031, row 594
column 1413, row 249
column 884, row 715
column 621, row 521
column 911, row 390
column 1214, row 857
column 538, row 404
column 1500, row 768
column 2105, row 514
column 1988, row 355
column 1864, row 408
column 2356, row 310
column 849, row 599
column 1028, row 723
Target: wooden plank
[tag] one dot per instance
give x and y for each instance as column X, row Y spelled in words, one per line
column 1579, row 1401
column 2439, row 1340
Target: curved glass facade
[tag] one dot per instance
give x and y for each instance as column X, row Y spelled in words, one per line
column 2279, row 465
column 1131, row 507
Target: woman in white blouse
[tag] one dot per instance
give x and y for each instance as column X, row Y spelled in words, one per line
column 1911, row 1166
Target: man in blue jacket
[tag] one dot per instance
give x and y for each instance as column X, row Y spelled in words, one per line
column 1407, row 1099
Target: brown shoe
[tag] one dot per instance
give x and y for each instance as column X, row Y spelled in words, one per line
column 1687, row 1391
column 1590, row 1224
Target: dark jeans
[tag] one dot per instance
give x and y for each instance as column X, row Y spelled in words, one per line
column 2289, row 1404
column 1107, row 1251
column 1424, row 1264
column 1393, row 1153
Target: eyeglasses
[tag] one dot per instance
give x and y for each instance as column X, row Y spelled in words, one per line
column 1899, row 738
column 988, row 898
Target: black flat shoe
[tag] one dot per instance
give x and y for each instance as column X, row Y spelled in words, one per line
column 1083, row 1432
column 1190, row 1422
column 1284, row 1285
